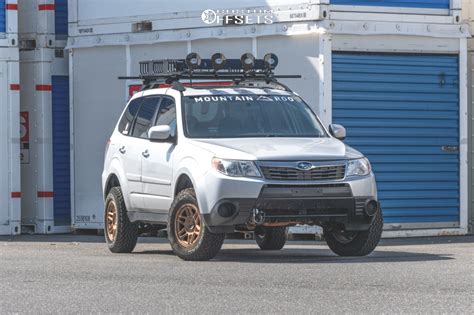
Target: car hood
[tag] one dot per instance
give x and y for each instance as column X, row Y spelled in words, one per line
column 271, row 149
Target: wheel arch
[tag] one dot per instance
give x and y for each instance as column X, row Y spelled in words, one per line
column 112, row 181
column 115, row 176
column 183, row 181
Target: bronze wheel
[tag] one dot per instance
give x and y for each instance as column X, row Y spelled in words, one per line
column 188, row 225
column 189, row 236
column 121, row 235
column 111, row 218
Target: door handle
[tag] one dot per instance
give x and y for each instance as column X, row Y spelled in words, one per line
column 146, row 154
column 122, row 150
column 450, row 148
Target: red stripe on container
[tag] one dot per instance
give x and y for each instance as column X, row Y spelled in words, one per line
column 46, row 7
column 45, row 194
column 44, row 87
column 16, row 194
column 14, row 87
column 11, row 6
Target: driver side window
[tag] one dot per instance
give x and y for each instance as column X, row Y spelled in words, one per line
column 167, row 114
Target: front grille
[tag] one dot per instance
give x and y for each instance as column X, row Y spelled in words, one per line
column 329, row 172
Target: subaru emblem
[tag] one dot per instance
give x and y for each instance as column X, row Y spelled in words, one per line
column 304, row 166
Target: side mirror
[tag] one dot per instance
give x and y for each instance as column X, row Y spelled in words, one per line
column 337, row 131
column 160, row 133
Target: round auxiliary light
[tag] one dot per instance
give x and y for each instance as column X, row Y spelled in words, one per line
column 218, row 61
column 270, row 60
column 248, row 61
column 193, row 60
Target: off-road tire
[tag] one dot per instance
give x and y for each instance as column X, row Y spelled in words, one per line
column 362, row 244
column 127, row 232
column 273, row 238
column 207, row 244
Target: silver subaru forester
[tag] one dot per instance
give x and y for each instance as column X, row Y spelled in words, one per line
column 211, row 159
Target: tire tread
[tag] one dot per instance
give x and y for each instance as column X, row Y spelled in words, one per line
column 127, row 232
column 211, row 243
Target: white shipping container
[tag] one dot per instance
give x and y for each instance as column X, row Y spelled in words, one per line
column 10, row 192
column 468, row 11
column 8, row 23
column 303, row 36
column 45, row 164
column 98, row 97
column 39, row 21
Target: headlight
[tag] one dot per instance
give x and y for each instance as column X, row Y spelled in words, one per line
column 359, row 167
column 236, row 168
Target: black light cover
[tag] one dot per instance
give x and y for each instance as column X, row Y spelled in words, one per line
column 271, row 61
column 193, row 60
column 248, row 61
column 218, row 61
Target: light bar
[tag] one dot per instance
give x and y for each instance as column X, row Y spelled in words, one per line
column 218, row 64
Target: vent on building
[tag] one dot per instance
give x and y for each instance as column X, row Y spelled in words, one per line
column 143, row 26
column 59, row 53
column 27, row 44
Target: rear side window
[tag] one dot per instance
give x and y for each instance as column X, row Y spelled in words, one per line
column 125, row 124
column 146, row 116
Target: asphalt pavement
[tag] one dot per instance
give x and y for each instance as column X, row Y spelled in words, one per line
column 77, row 274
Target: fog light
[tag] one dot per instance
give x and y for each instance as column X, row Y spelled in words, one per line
column 226, row 210
column 371, row 207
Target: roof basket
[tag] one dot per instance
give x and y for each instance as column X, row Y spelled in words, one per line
column 161, row 66
column 171, row 71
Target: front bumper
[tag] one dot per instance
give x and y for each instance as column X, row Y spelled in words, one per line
column 291, row 203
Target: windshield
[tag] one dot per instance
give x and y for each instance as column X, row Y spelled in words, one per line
column 238, row 116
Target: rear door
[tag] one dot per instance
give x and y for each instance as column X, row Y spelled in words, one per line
column 157, row 168
column 138, row 146
column 128, row 152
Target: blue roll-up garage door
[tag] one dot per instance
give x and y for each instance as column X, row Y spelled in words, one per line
column 427, row 4
column 61, row 19
column 3, row 22
column 61, row 151
column 402, row 111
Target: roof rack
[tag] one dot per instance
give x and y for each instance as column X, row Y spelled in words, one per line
column 242, row 72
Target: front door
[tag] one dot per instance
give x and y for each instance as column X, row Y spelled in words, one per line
column 157, row 168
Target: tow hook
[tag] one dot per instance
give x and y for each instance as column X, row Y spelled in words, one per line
column 258, row 216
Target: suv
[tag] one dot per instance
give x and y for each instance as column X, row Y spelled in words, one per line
column 204, row 161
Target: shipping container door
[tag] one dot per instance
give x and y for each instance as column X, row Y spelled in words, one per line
column 402, row 111
column 61, row 19
column 427, row 4
column 61, row 151
column 4, row 155
column 3, row 21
